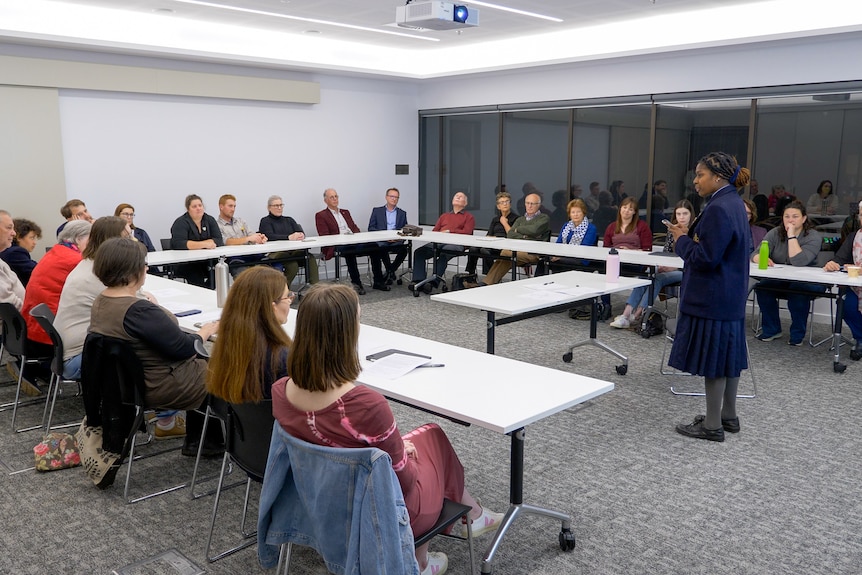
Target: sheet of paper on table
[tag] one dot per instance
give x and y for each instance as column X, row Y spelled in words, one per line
column 393, row 366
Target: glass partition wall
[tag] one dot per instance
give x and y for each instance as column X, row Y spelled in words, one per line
column 796, row 139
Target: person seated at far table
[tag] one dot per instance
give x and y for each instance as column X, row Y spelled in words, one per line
column 534, row 226
column 458, row 221
column 757, row 232
column 74, row 209
column 795, row 243
column 503, row 219
column 850, row 253
column 683, row 214
column 389, row 217
column 17, row 256
column 127, row 212
column 320, row 403
column 175, row 378
column 252, row 346
column 195, row 230
column 333, row 221
column 823, row 202
column 578, row 231
column 628, row 232
column 278, row 227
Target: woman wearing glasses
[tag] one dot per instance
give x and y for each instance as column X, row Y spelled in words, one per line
column 503, row 219
column 127, row 212
column 251, row 350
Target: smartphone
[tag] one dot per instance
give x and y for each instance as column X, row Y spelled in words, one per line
column 187, row 312
column 667, row 222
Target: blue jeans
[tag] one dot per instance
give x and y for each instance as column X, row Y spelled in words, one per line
column 72, row 367
column 640, row 296
column 852, row 315
column 797, row 303
column 425, row 253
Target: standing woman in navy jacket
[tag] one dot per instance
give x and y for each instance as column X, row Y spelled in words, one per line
column 710, row 334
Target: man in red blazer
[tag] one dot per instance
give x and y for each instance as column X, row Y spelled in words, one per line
column 331, row 221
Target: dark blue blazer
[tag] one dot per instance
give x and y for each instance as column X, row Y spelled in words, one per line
column 378, row 219
column 715, row 252
column 21, row 263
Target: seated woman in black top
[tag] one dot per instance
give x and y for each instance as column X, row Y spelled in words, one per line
column 250, row 353
column 195, row 230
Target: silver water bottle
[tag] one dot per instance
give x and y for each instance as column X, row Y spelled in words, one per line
column 222, row 281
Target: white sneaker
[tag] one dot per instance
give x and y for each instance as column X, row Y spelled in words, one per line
column 621, row 322
column 488, row 521
column 437, row 563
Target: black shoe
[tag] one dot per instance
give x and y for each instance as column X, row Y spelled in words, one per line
column 729, row 425
column 429, row 287
column 856, row 352
column 698, row 431
column 210, row 450
column 412, row 286
column 381, row 286
column 390, row 278
column 359, row 289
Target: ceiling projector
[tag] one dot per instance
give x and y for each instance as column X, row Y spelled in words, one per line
column 436, row 16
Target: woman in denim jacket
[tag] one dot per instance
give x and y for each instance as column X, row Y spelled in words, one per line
column 320, row 404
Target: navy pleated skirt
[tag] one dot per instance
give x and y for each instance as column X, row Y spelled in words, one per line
column 708, row 347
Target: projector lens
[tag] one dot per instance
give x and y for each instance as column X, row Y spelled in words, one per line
column 460, row 14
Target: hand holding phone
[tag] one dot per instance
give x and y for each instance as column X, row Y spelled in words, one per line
column 667, row 222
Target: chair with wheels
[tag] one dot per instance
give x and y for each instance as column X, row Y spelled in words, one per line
column 248, row 433
column 112, row 378
column 45, row 318
column 15, row 344
column 309, row 489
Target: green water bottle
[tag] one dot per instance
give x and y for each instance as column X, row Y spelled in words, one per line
column 763, row 260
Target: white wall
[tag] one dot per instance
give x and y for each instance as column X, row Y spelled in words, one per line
column 152, row 151
column 807, row 60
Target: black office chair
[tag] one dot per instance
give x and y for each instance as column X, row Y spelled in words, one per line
column 15, row 344
column 45, row 318
column 248, row 434
column 114, row 389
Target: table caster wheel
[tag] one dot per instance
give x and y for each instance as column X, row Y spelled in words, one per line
column 444, row 288
column 622, row 369
column 646, row 334
column 838, row 367
column 567, row 540
column 399, row 281
column 415, row 293
column 567, row 357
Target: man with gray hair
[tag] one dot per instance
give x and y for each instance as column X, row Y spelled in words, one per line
column 11, row 288
column 276, row 226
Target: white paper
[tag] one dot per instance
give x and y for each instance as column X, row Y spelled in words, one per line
column 544, row 296
column 208, row 317
column 546, row 286
column 394, row 365
column 167, row 293
column 578, row 291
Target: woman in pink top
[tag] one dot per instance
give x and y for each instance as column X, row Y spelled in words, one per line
column 629, row 232
column 320, row 403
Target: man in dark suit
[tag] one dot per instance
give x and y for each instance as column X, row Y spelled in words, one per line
column 332, row 221
column 389, row 217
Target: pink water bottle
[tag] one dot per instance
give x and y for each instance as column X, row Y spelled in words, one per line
column 612, row 266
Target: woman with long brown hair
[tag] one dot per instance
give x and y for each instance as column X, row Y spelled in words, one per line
column 251, row 350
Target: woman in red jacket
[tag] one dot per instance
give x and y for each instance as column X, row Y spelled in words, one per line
column 49, row 276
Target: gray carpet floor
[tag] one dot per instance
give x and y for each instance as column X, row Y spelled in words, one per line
column 782, row 496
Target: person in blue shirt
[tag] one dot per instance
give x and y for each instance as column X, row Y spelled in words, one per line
column 389, row 217
column 578, row 231
column 710, row 332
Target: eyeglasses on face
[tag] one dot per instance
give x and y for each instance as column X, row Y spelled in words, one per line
column 290, row 296
column 276, row 206
column 127, row 214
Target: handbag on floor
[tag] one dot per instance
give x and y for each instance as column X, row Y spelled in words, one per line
column 459, row 279
column 57, row 451
column 101, row 466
